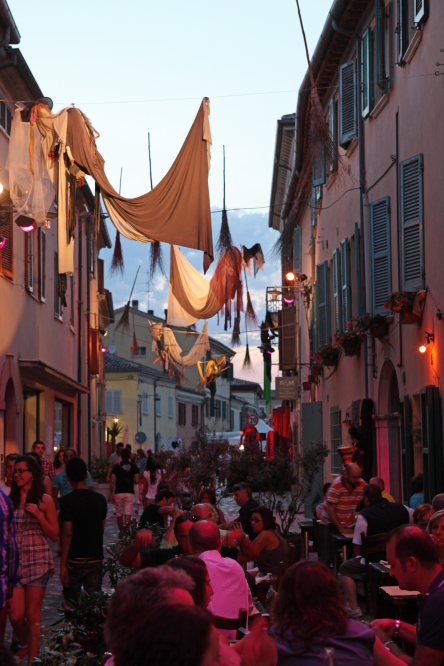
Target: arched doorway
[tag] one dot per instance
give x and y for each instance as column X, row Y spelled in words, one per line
column 387, row 431
column 10, row 419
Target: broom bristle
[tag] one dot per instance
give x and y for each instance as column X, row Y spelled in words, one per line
column 124, row 319
column 225, row 241
column 250, row 316
column 176, row 373
column 235, row 336
column 246, row 365
column 117, row 260
column 135, row 346
column 156, row 259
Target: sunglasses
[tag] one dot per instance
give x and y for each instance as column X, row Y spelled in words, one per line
column 19, row 472
column 185, row 517
column 255, row 520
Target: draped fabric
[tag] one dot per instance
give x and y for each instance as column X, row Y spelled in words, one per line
column 191, row 297
column 169, row 351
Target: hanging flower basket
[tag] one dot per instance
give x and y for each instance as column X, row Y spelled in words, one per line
column 351, row 348
column 410, row 318
column 349, row 341
column 380, row 330
column 316, row 370
column 401, row 301
column 306, row 386
column 326, row 356
column 376, row 325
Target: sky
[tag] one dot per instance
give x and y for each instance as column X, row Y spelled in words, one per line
column 144, row 66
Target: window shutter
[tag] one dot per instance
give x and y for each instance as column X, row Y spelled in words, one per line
column 412, row 222
column 73, row 301
column 29, row 240
column 319, row 171
column 57, row 299
column 7, row 251
column 431, row 435
column 118, row 409
column 337, row 291
column 381, row 71
column 313, row 207
column 158, row 405
column 348, row 129
column 297, row 250
column 407, row 452
column 170, row 406
column 367, row 72
column 402, row 29
column 421, row 11
column 42, row 264
column 212, row 408
column 109, row 401
column 358, row 270
column 380, row 254
column 335, row 439
column 333, row 127
column 224, row 411
column 287, row 338
column 345, row 283
column 323, row 307
column 145, row 402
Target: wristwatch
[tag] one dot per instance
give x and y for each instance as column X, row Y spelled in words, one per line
column 397, row 626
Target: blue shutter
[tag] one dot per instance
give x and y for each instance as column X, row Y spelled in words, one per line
column 158, row 405
column 367, row 72
column 348, row 128
column 402, row 29
column 337, row 292
column 381, row 69
column 323, row 307
column 421, row 11
column 412, row 222
column 333, row 127
column 380, row 254
column 145, row 402
column 358, row 270
column 345, row 284
column 297, row 250
column 319, row 170
column 313, row 207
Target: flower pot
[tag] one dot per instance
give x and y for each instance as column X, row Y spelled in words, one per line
column 352, row 349
column 306, row 386
column 379, row 330
column 316, row 370
column 408, row 317
column 103, row 489
column 330, row 362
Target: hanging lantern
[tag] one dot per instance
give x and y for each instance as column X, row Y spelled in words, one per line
column 26, row 223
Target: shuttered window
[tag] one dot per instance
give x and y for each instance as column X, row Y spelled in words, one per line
column 224, row 411
column 319, row 171
column 287, row 338
column 145, row 402
column 72, row 301
column 345, row 284
column 367, row 72
column 194, row 415
column 323, row 306
column 357, row 271
column 381, row 66
column 407, row 451
column 5, row 118
column 217, row 409
column 431, row 438
column 421, row 11
column 380, row 253
column 313, row 207
column 29, row 245
column 42, row 264
column 335, row 439
column 182, row 413
column 412, row 222
column 114, row 401
column 348, row 129
column 402, row 28
column 333, row 127
column 170, row 406
column 158, row 405
column 337, row 307
column 7, row 251
column 297, row 250
column 58, row 310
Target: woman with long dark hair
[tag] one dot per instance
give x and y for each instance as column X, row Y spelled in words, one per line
column 271, row 545
column 197, row 570
column 59, row 461
column 35, row 519
column 153, row 476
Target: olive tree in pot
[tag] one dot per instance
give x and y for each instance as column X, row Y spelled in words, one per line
column 99, row 472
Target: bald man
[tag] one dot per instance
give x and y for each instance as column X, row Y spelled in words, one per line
column 339, row 511
column 227, row 577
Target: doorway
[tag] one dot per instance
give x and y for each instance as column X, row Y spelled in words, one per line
column 388, row 432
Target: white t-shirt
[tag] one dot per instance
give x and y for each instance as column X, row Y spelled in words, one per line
column 152, row 487
column 227, row 578
column 5, row 489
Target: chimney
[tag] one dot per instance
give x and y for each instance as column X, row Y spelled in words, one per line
column 166, row 313
column 135, row 304
column 151, row 312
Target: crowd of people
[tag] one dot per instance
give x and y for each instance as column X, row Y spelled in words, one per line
column 198, row 568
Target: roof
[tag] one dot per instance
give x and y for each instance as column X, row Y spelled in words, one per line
column 7, row 21
column 238, row 384
column 282, row 167
column 118, row 364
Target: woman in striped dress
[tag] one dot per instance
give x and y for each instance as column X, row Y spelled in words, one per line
column 35, row 519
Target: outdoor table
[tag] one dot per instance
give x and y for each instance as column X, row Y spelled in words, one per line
column 339, row 541
column 307, row 532
column 402, row 599
column 380, row 575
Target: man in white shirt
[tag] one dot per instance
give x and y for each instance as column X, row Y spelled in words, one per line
column 227, row 577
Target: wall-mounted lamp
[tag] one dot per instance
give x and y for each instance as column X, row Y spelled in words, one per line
column 290, row 276
column 2, row 241
column 430, row 338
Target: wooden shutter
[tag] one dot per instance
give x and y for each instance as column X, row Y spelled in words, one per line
column 170, row 406
column 319, row 170
column 57, row 299
column 381, row 70
column 431, row 435
column 323, row 306
column 367, row 72
column 29, row 245
column 348, row 129
column 158, row 405
column 345, row 284
column 94, row 351
column 313, row 207
column 357, row 270
column 333, row 127
column 407, row 453
column 117, row 401
column 297, row 250
column 7, row 251
column 380, row 254
column 42, row 264
column 402, row 29
column 412, row 222
column 335, row 439
column 337, row 292
column 109, row 401
column 72, row 301
column 421, row 11
column 287, row 338
column 100, row 278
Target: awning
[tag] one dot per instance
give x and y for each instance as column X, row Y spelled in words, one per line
column 40, row 373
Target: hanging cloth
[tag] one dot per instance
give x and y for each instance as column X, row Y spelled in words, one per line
column 167, row 348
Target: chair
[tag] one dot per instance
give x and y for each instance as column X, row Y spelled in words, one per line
column 282, row 570
column 371, row 546
column 233, row 624
column 291, row 554
column 316, row 534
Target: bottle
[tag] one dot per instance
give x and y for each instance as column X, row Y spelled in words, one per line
column 329, row 657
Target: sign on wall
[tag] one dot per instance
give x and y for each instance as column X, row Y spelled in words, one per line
column 286, row 388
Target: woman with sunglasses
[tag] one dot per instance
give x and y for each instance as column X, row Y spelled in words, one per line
column 272, row 547
column 35, row 519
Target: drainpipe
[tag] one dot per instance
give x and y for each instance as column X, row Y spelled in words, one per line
column 155, row 416
column 364, row 231
column 79, row 344
column 398, row 236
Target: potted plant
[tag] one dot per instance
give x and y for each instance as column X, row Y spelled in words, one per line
column 402, row 302
column 326, row 355
column 376, row 325
column 316, row 370
column 99, row 473
column 114, row 432
column 348, row 341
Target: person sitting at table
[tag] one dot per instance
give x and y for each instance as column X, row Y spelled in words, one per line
column 436, row 530
column 208, row 496
column 309, row 616
column 438, row 502
column 381, row 484
column 201, row 511
column 272, row 547
column 422, row 514
column 414, row 562
column 197, row 570
column 378, row 517
column 418, row 491
column 162, row 507
column 338, row 514
column 320, row 506
column 243, row 496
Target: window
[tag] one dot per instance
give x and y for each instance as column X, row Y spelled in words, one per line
column 319, row 170
column 381, row 65
column 337, row 292
column 182, row 413
column 297, row 250
column 91, row 251
column 158, row 405
column 224, row 411
column 421, row 11
column 6, row 230
column 367, row 72
column 170, row 406
column 357, row 271
column 333, row 127
column 217, row 409
column 142, row 352
column 348, row 128
column 313, row 207
column 323, row 307
column 412, row 222
column 100, row 276
column 5, row 118
column 195, row 415
column 232, row 419
column 42, row 264
column 29, row 252
column 402, row 29
column 114, row 401
column 145, row 402
column 346, row 312
column 72, row 301
column 380, row 253
column 335, row 436
column 58, row 310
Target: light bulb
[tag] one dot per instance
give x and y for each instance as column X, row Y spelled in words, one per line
column 423, row 348
column 290, row 276
column 1, row 188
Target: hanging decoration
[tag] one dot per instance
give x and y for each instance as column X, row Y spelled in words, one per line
column 225, row 241
column 117, row 260
column 235, row 336
column 246, row 365
column 156, row 259
column 253, row 255
column 213, row 369
column 123, row 324
column 135, row 346
column 168, row 351
column 250, row 315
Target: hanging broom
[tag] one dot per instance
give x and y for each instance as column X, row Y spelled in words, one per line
column 235, row 336
column 117, row 260
column 250, row 315
column 246, row 365
column 225, row 241
column 156, row 259
column 135, row 346
column 124, row 319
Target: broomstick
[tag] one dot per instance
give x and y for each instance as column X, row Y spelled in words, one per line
column 117, row 260
column 250, row 315
column 156, row 256
column 225, row 241
column 246, row 365
column 124, row 319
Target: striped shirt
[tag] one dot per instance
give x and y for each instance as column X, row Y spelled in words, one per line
column 9, row 552
column 48, row 468
column 345, row 502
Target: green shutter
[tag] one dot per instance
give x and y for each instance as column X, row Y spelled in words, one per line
column 402, row 29
column 420, row 11
column 407, row 453
column 319, row 170
column 323, row 306
column 345, row 284
column 412, row 222
column 380, row 254
column 357, row 271
column 348, row 128
column 431, row 436
column 333, row 127
column 367, row 72
column 297, row 250
column 381, row 69
column 337, row 292
column 313, row 207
